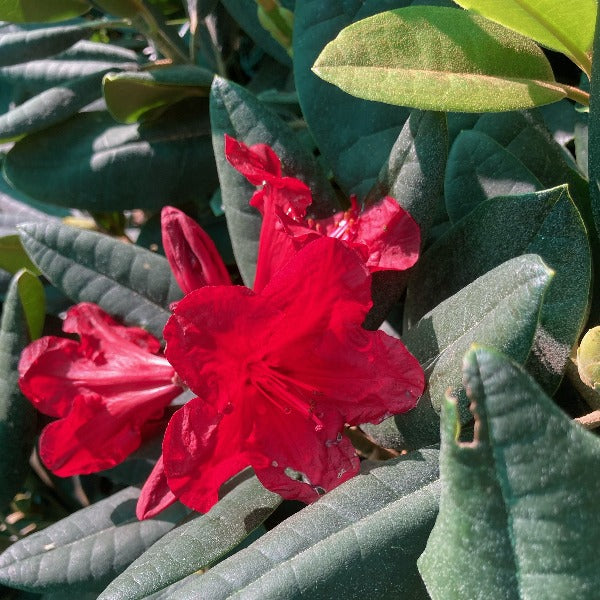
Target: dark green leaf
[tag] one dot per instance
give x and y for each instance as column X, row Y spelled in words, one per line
column 17, row 415
column 518, row 513
column 197, row 544
column 594, row 134
column 545, row 223
column 134, row 97
column 126, row 281
column 51, row 106
column 33, row 11
column 86, row 549
column 346, row 129
column 246, row 15
column 359, row 541
column 501, row 308
column 89, row 162
column 480, row 168
column 23, row 46
column 237, row 112
column 439, row 58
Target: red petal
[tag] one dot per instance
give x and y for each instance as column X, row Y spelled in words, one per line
column 194, row 258
column 324, row 286
column 87, row 319
column 257, row 163
column 156, row 494
column 391, row 235
column 99, row 433
column 202, row 449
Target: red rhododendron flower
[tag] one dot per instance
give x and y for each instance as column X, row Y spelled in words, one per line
column 278, row 373
column 385, row 234
column 191, row 253
column 108, row 390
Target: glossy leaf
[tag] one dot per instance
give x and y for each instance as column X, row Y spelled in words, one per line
column 87, row 549
column 566, row 28
column 33, row 11
column 480, row 168
column 197, row 544
column 138, row 96
column 51, row 106
column 518, row 512
column 438, row 58
column 17, row 415
column 23, row 46
column 235, row 111
column 588, row 358
column 343, row 139
column 341, row 545
column 594, row 136
column 545, row 223
column 126, row 281
column 90, row 162
column 501, row 308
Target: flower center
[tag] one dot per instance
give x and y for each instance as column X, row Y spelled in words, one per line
column 285, row 392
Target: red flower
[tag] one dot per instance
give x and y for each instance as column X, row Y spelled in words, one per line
column 108, row 390
column 385, row 234
column 191, row 253
column 278, row 373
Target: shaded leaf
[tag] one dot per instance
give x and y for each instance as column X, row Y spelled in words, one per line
column 125, row 280
column 518, row 512
column 343, row 139
column 138, row 96
column 235, row 111
column 566, row 28
column 339, row 546
column 32, row 11
column 88, row 548
column 594, row 138
column 17, row 415
column 438, row 58
column 51, row 106
column 13, row 256
column 501, row 308
column 545, row 223
column 90, row 162
column 197, row 544
column 480, row 168
column 33, row 302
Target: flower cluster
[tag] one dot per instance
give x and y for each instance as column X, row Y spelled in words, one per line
column 278, row 371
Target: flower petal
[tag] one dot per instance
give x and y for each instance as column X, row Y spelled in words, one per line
column 391, row 235
column 193, row 256
column 156, row 494
column 202, row 449
column 258, row 163
column 97, row 434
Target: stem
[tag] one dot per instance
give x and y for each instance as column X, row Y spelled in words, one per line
column 590, row 421
column 576, row 94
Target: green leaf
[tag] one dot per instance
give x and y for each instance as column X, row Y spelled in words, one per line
column 235, row 111
column 414, row 176
column 480, row 168
column 197, row 544
column 545, row 223
column 17, row 415
column 343, row 139
column 246, row 15
column 518, row 512
column 588, row 358
column 87, row 549
column 33, row 301
column 23, row 46
column 51, row 106
column 33, row 11
column 594, row 136
column 126, row 281
column 90, row 162
column 566, row 28
column 360, row 540
column 132, row 97
column 501, row 308
column 438, row 58
column 13, row 256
